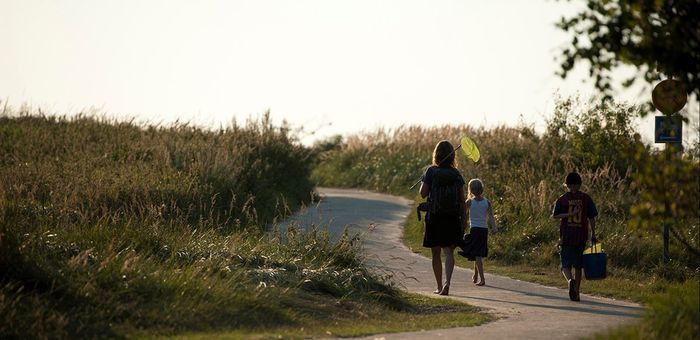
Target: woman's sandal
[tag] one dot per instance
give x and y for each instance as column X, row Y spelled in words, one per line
column 445, row 290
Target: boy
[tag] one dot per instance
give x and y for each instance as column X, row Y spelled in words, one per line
column 576, row 210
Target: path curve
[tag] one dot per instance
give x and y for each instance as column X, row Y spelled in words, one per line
column 525, row 310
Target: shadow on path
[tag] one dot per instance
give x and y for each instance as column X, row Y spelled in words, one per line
column 563, row 308
column 564, row 298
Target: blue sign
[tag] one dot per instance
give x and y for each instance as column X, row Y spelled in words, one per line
column 668, row 129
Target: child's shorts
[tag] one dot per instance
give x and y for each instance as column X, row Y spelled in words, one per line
column 571, row 256
column 475, row 244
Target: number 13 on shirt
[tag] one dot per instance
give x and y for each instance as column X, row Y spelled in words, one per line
column 575, row 212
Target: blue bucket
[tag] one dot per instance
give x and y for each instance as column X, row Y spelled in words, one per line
column 595, row 265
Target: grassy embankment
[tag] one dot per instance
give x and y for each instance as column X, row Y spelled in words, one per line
column 523, row 172
column 111, row 229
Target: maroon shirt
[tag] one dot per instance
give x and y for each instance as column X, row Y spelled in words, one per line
column 573, row 230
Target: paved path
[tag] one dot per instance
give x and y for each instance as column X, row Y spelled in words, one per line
column 525, row 310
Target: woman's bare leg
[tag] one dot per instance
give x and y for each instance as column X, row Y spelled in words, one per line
column 449, row 268
column 437, row 268
column 480, row 267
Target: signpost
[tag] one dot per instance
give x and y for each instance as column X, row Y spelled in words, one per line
column 668, row 129
column 669, row 96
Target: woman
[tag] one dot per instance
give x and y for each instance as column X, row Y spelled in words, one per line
column 445, row 222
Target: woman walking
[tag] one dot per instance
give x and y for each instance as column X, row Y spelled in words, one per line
column 445, row 221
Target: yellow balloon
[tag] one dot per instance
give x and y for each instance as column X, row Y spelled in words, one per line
column 469, row 149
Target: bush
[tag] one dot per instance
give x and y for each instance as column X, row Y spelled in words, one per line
column 675, row 311
column 671, row 314
column 593, row 134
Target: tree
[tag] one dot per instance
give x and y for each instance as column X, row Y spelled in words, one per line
column 594, row 133
column 668, row 192
column 660, row 38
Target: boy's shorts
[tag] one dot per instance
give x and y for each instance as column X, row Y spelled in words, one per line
column 571, row 256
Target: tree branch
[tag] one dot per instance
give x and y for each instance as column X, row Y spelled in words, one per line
column 683, row 241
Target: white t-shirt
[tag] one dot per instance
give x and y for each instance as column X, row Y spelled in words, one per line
column 478, row 213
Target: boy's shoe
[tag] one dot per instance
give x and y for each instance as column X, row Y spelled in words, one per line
column 572, row 290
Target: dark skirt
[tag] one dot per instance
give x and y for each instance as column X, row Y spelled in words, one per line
column 442, row 231
column 475, row 243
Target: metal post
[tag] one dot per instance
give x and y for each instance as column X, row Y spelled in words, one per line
column 667, row 207
column 670, row 147
column 669, row 96
column 666, row 258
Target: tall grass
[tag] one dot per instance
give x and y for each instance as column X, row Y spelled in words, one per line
column 83, row 169
column 523, row 174
column 111, row 229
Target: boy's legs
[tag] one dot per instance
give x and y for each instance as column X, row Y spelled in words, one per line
column 571, row 281
column 578, row 279
column 577, row 263
column 437, row 268
column 571, row 257
column 565, row 259
column 567, row 273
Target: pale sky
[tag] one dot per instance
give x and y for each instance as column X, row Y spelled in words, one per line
column 338, row 67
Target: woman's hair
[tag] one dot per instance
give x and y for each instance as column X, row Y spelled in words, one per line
column 476, row 187
column 444, row 152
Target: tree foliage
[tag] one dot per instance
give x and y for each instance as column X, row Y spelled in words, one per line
column 594, row 133
column 668, row 188
column 660, row 38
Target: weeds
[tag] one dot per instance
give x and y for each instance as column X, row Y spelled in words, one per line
column 110, row 229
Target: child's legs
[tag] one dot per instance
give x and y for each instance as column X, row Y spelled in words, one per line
column 578, row 278
column 449, row 263
column 437, row 266
column 567, row 273
column 571, row 257
column 577, row 263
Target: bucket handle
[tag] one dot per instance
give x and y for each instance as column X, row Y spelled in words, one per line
column 594, row 241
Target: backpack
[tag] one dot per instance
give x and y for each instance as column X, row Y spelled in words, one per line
column 444, row 198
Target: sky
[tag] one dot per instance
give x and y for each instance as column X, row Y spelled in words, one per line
column 325, row 66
